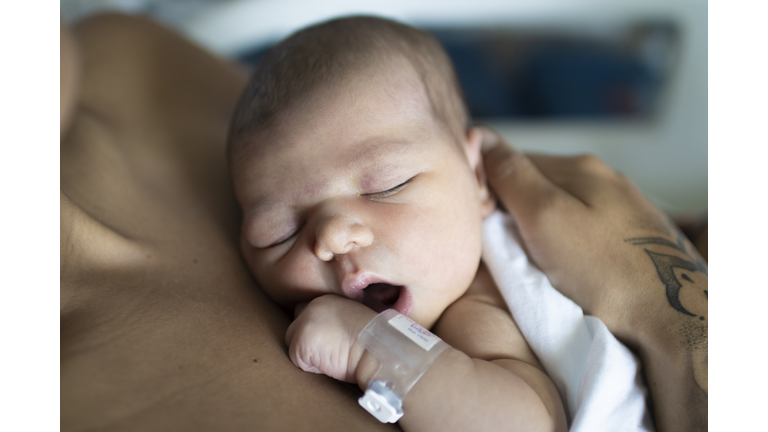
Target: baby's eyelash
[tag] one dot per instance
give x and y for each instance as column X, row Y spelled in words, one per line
column 279, row 242
column 390, row 192
column 382, row 194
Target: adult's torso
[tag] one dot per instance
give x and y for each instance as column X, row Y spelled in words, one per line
column 162, row 327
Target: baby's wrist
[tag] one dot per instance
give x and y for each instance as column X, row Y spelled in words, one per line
column 398, row 352
column 366, row 369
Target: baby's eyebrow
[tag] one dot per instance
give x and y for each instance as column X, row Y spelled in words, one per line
column 379, row 147
column 263, row 207
column 370, row 158
column 378, row 160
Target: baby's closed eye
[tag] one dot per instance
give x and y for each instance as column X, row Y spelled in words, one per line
column 262, row 233
column 284, row 238
column 390, row 192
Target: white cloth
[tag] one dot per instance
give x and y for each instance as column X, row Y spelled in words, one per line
column 597, row 376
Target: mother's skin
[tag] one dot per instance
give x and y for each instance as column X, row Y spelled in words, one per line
column 162, row 326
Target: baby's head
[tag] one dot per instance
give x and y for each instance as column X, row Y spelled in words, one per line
column 357, row 172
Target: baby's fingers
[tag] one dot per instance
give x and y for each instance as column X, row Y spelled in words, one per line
column 303, row 359
column 299, row 351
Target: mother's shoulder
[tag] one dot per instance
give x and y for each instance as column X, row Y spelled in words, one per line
column 138, row 73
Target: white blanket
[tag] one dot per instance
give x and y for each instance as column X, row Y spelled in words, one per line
column 597, row 376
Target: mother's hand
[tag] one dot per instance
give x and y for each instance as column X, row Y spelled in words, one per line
column 598, row 239
column 605, row 246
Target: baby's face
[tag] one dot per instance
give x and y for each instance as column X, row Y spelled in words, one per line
column 360, row 193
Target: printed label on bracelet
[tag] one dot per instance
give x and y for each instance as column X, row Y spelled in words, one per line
column 423, row 337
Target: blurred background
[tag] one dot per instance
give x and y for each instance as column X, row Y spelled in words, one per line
column 623, row 79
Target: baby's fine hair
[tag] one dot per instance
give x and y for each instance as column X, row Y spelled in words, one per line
column 326, row 54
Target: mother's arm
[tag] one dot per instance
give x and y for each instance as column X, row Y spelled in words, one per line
column 605, row 246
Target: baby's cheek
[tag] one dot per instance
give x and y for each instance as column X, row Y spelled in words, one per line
column 461, row 242
column 439, row 245
column 288, row 278
column 418, row 242
column 251, row 256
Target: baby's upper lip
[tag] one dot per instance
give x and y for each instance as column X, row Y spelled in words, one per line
column 354, row 284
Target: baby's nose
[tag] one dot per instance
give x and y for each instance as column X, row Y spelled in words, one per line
column 340, row 234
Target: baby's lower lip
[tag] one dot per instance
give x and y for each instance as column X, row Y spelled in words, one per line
column 404, row 303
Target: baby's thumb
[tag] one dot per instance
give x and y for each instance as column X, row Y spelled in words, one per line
column 516, row 181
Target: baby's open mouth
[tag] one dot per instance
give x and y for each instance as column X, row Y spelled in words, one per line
column 381, row 296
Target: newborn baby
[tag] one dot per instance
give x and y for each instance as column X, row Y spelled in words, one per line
column 362, row 188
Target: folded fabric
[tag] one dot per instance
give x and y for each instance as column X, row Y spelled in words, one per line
column 597, row 376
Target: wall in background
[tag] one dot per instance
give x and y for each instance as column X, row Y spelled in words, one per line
column 665, row 152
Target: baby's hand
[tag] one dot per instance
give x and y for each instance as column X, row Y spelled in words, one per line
column 323, row 337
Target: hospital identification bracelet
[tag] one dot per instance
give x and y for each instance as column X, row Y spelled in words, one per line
column 405, row 350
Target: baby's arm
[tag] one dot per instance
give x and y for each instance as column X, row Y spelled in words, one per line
column 480, row 326
column 489, row 380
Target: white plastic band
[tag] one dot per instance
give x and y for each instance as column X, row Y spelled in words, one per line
column 405, row 350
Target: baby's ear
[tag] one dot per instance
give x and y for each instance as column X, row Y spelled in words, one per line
column 473, row 149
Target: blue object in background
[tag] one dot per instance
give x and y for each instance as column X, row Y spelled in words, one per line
column 488, row 88
column 505, row 75
column 582, row 82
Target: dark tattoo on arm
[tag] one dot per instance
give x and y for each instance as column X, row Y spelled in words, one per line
column 659, row 241
column 693, row 332
column 666, row 264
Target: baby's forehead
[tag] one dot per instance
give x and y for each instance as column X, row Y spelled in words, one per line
column 363, row 110
column 338, row 157
column 309, row 161
column 289, row 173
column 362, row 129
column 352, row 98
